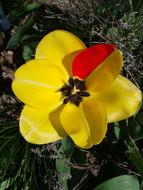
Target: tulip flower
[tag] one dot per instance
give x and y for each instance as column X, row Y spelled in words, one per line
column 71, row 90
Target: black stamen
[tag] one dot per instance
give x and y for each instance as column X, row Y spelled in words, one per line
column 82, row 93
column 71, row 82
column 66, row 90
column 74, row 91
column 75, row 99
column 66, row 100
column 79, row 84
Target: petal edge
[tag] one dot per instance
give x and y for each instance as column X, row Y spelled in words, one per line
column 122, row 99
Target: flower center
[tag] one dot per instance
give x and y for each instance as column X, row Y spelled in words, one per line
column 74, row 91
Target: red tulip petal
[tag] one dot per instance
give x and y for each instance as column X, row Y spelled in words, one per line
column 89, row 59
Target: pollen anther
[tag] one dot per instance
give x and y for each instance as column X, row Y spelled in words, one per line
column 74, row 91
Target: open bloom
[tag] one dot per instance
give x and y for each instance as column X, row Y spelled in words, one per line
column 69, row 89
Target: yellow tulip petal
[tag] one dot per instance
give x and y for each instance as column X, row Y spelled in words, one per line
column 36, row 127
column 54, row 118
column 122, row 99
column 57, row 44
column 105, row 73
column 68, row 59
column 85, row 124
column 37, row 84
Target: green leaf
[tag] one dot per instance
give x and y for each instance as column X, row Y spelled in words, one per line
column 17, row 37
column 28, row 51
column 136, row 126
column 135, row 155
column 63, row 164
column 5, row 184
column 123, row 182
column 133, row 151
column 137, row 4
column 117, row 130
column 142, row 184
column 139, row 119
column 15, row 14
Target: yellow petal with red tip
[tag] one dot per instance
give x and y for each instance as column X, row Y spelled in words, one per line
column 68, row 60
column 106, row 73
column 85, row 124
column 122, row 99
column 37, row 85
column 57, row 44
column 36, row 127
column 89, row 59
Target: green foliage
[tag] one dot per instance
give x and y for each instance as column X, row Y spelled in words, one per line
column 133, row 151
column 23, row 165
column 127, row 34
column 28, row 51
column 17, row 38
column 17, row 13
column 127, row 182
column 63, row 163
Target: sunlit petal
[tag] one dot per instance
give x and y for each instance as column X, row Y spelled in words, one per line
column 122, row 99
column 57, row 44
column 105, row 73
column 36, row 127
column 85, row 124
column 37, row 85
